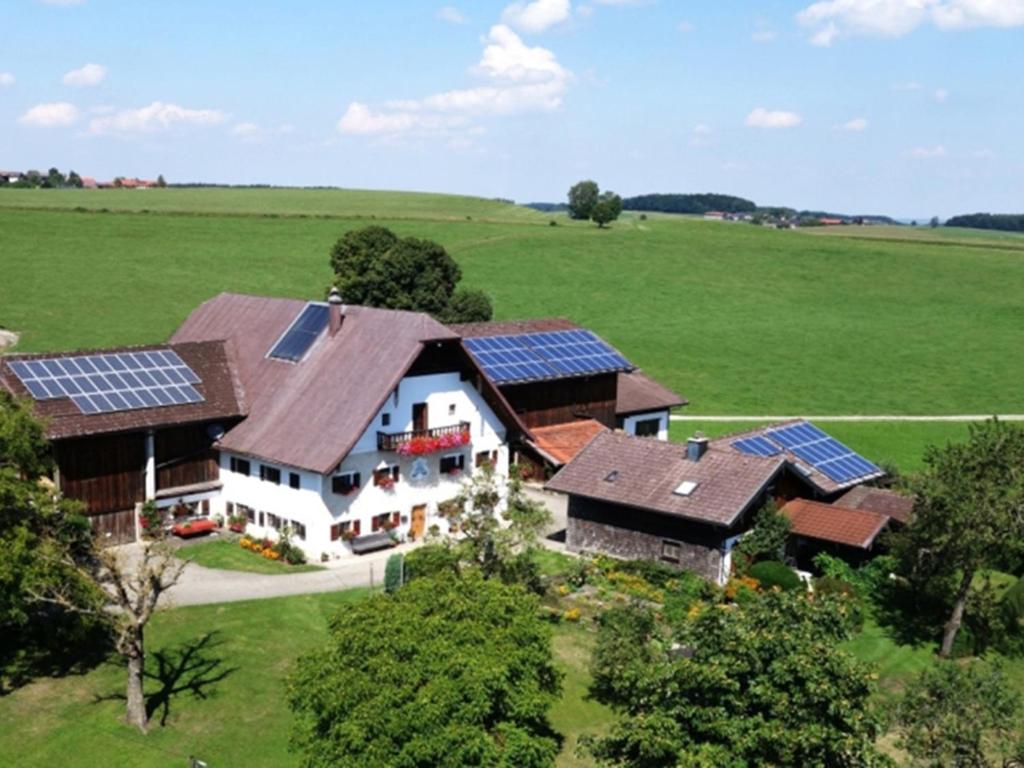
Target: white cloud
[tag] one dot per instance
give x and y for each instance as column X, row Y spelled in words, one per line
column 452, row 15
column 856, row 125
column 519, row 78
column 773, row 118
column 701, row 135
column 6, row 78
column 51, row 115
column 536, row 16
column 89, row 75
column 829, row 19
column 926, row 153
column 158, row 116
column 941, row 95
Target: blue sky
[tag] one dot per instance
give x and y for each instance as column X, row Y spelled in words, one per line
column 906, row 107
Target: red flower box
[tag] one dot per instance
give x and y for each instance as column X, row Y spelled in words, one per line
column 193, row 528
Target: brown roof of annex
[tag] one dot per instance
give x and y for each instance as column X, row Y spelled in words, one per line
column 562, row 442
column 880, row 500
column 830, row 522
column 646, row 473
column 311, row 414
column 223, row 396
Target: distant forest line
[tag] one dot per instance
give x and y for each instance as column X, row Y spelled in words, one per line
column 1007, row 222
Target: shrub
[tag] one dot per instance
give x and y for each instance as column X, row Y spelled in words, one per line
column 393, row 573
column 829, row 585
column 767, row 539
column 573, row 614
column 771, row 573
column 651, row 571
column 431, row 560
column 151, row 520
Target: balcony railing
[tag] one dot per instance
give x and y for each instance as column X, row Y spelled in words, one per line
column 420, row 441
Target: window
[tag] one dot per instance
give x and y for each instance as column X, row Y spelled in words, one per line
column 386, row 477
column 347, row 530
column 241, row 466
column 229, row 509
column 671, row 551
column 385, row 419
column 298, row 530
column 486, row 459
column 274, row 521
column 647, row 428
column 345, row 483
column 262, row 519
column 270, row 474
column 249, row 512
column 451, row 409
column 385, row 522
column 452, row 465
column 294, row 480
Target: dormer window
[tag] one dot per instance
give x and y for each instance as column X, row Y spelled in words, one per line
column 685, row 488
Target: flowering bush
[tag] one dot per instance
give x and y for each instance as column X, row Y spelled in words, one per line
column 151, row 520
column 387, row 483
column 573, row 614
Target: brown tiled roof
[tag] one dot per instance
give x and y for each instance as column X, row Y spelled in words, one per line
column 829, row 522
column 819, row 480
column 884, row 502
column 223, row 397
column 311, row 414
column 647, row 472
column 513, row 327
column 563, row 441
column 638, row 393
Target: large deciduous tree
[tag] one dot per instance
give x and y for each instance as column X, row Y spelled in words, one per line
column 374, row 267
column 962, row 715
column 582, row 198
column 607, row 209
column 446, row 672
column 765, row 684
column 968, row 514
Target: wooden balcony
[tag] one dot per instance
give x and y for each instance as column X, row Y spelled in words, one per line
column 391, row 441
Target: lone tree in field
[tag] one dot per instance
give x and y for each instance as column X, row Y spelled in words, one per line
column 582, row 199
column 373, row 267
column 607, row 209
column 447, row 672
column 969, row 514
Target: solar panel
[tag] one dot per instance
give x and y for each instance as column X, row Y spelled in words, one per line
column 304, row 330
column 757, row 446
column 106, row 383
column 823, row 452
column 546, row 355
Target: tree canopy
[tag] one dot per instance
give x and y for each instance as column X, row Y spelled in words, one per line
column 582, row 199
column 374, row 267
column 680, row 203
column 762, row 684
column 447, row 672
column 1008, row 222
column 607, row 209
column 968, row 514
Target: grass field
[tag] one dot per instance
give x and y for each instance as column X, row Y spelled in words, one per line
column 901, row 443
column 229, row 556
column 220, row 696
column 740, row 319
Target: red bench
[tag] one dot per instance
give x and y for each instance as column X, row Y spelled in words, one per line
column 193, row 528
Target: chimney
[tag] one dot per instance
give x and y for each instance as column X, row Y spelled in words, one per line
column 696, row 447
column 334, row 310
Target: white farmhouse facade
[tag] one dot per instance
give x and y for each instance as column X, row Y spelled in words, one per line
column 372, row 489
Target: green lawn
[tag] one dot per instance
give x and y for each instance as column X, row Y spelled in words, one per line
column 229, row 556
column 224, row 668
column 894, row 442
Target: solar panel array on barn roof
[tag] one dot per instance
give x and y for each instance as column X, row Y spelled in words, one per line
column 813, row 446
column 544, row 355
column 105, row 383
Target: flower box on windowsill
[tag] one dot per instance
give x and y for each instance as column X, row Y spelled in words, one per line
column 455, row 472
column 192, row 528
column 387, row 484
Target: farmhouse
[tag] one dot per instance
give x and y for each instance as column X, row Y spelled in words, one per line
column 10, row 177
column 340, row 423
column 566, row 399
column 638, row 498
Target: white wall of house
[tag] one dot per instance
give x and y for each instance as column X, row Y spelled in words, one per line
column 315, row 505
column 629, row 423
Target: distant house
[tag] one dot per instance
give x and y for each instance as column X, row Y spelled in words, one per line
column 829, row 221
column 817, row 527
column 136, row 184
column 566, row 384
column 689, row 505
column 88, row 182
column 10, row 177
column 714, row 216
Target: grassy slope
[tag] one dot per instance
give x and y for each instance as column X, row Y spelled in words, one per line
column 228, row 555
column 738, row 318
column 242, row 718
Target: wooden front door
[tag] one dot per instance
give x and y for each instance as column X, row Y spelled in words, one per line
column 418, row 526
column 419, row 417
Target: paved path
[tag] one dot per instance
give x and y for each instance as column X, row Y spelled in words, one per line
column 959, row 417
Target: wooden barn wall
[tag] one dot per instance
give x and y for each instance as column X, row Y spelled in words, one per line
column 542, row 403
column 184, row 457
column 105, row 473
